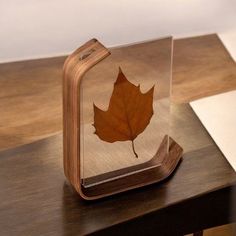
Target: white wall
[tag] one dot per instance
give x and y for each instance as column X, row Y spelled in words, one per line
column 44, row 28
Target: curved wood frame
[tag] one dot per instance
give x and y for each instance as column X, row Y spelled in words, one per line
column 157, row 169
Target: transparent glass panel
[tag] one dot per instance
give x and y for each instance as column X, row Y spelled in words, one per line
column 121, row 138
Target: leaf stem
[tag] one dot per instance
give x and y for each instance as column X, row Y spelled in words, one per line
column 135, row 153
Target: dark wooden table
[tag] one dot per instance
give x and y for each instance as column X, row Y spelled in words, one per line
column 36, row 199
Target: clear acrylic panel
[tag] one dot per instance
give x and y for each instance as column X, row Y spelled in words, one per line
column 125, row 110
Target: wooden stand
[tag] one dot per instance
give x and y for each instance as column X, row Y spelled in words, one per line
column 155, row 170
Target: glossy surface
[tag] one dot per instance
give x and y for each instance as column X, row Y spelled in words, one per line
column 36, row 199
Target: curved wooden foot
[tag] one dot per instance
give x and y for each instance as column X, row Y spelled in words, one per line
column 160, row 167
column 155, row 170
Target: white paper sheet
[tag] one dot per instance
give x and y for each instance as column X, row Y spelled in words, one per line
column 218, row 115
column 229, row 40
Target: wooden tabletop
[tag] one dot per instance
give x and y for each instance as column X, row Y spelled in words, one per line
column 37, row 200
column 35, row 196
column 31, row 92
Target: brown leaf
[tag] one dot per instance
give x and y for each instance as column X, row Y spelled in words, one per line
column 128, row 114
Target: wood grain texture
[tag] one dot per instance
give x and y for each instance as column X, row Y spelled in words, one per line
column 30, row 91
column 75, row 66
column 36, row 199
column 32, row 110
column 160, row 167
column 30, row 100
column 162, row 164
column 202, row 67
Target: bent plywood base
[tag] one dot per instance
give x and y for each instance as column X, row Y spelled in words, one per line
column 157, row 169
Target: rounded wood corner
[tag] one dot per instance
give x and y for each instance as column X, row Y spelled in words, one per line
column 159, row 168
column 75, row 66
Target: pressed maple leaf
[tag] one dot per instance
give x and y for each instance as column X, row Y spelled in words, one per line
column 128, row 114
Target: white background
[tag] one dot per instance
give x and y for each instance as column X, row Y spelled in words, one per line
column 44, row 28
